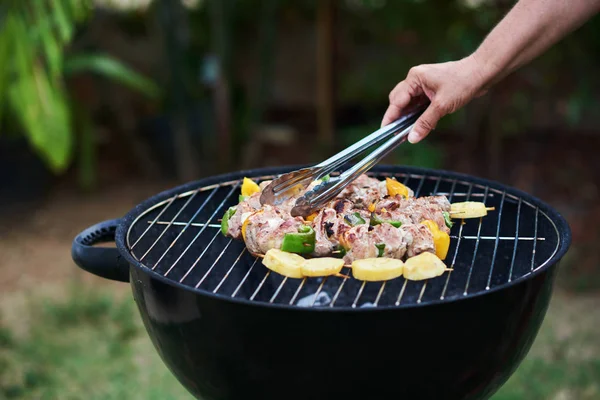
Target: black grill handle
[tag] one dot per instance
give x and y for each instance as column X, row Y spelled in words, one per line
column 105, row 262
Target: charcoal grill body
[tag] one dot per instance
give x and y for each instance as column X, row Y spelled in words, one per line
column 240, row 346
column 222, row 350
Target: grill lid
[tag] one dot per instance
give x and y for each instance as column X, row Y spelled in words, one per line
column 176, row 235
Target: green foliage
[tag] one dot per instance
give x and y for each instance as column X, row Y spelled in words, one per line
column 83, row 347
column 34, row 41
column 32, row 35
column 110, row 68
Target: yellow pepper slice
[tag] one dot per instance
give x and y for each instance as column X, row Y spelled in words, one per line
column 246, row 220
column 249, row 187
column 441, row 239
column 244, row 226
column 372, row 207
column 394, row 187
column 312, row 216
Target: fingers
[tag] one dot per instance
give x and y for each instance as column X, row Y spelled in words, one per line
column 403, row 93
column 426, row 123
column 448, row 86
column 400, row 97
column 392, row 113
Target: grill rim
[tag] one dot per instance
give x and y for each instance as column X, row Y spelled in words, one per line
column 562, row 227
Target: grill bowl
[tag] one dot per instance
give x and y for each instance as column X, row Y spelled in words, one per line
column 228, row 329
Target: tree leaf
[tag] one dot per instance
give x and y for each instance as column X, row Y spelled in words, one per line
column 111, row 68
column 65, row 26
column 49, row 42
column 79, row 9
column 32, row 37
column 45, row 117
column 39, row 107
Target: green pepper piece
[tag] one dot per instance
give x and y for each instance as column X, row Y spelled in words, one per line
column 354, row 219
column 340, row 252
column 242, row 198
column 305, row 229
column 301, row 242
column 447, row 219
column 380, row 249
column 376, row 220
column 225, row 220
column 325, row 178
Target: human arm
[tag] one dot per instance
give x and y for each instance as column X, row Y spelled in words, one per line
column 528, row 30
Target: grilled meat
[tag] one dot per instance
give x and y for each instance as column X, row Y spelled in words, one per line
column 341, row 206
column 392, row 203
column 414, row 210
column 385, row 240
column 441, row 201
column 266, row 228
column 252, row 203
column 364, row 191
column 328, row 226
column 249, row 205
column 359, row 243
column 418, row 239
column 363, row 220
column 393, row 239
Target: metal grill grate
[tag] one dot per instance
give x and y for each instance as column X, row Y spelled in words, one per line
column 180, row 239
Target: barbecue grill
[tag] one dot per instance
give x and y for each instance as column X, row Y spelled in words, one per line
column 229, row 328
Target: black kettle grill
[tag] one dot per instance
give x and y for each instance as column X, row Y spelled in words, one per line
column 229, row 329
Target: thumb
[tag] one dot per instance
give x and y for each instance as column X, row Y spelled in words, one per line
column 426, row 123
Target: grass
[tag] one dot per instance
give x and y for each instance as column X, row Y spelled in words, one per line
column 87, row 346
column 540, row 379
column 91, row 345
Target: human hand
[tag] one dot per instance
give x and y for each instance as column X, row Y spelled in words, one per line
column 448, row 86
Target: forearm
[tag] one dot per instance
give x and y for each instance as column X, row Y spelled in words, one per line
column 529, row 29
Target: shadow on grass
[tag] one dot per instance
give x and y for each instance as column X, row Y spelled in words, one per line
column 93, row 346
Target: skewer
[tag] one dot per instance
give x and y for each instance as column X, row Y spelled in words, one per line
column 462, row 212
column 350, row 267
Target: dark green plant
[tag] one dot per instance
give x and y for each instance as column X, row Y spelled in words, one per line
column 35, row 62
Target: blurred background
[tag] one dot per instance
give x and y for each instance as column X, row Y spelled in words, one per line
column 104, row 103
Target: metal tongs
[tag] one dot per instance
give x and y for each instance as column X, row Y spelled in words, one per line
column 291, row 184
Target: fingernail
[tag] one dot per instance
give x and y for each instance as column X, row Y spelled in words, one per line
column 413, row 137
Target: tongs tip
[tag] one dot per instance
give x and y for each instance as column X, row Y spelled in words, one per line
column 312, row 199
column 286, row 186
